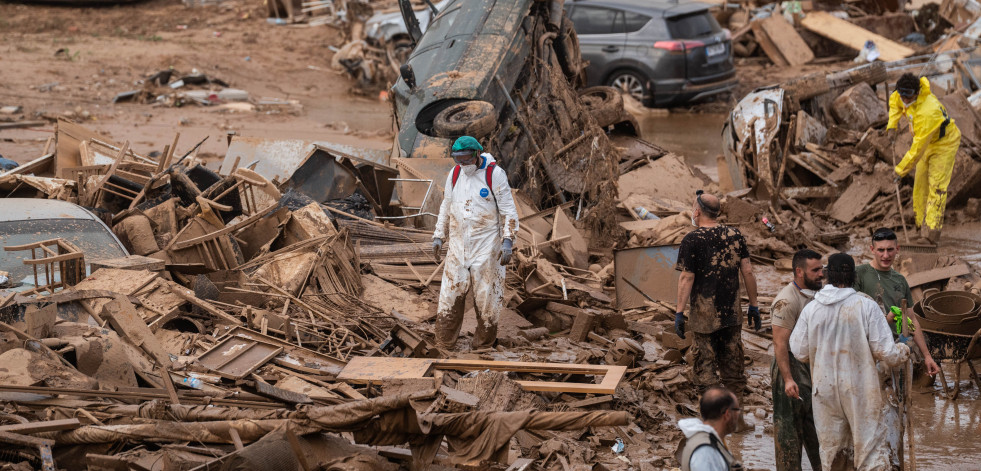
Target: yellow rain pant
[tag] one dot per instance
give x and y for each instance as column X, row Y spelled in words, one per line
column 933, row 173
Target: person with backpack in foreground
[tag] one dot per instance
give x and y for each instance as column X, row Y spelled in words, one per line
column 479, row 221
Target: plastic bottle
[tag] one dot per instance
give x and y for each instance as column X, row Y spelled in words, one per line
column 192, row 382
column 645, row 214
column 769, row 225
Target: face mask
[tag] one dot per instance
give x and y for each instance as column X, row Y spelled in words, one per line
column 693, row 221
column 469, row 170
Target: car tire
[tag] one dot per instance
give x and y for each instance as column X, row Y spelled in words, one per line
column 470, row 118
column 569, row 54
column 604, row 103
column 630, row 82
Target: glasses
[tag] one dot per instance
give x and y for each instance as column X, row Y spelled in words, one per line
column 735, row 409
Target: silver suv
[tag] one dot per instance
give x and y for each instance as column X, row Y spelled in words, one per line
column 663, row 53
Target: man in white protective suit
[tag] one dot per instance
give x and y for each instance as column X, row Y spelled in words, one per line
column 479, row 221
column 842, row 334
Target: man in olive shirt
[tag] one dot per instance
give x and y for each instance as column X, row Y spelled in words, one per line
column 793, row 418
column 888, row 287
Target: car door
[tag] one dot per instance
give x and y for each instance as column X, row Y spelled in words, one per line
column 602, row 39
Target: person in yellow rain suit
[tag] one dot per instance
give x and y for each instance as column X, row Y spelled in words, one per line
column 935, row 143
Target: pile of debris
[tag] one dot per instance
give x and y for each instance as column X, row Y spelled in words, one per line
column 257, row 318
column 171, row 88
column 796, row 33
column 813, row 154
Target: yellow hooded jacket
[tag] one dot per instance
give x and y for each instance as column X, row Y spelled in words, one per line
column 928, row 121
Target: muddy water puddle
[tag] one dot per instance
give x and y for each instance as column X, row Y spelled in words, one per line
column 696, row 136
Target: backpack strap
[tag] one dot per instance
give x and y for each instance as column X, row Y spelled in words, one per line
column 490, row 180
column 489, row 176
column 456, row 176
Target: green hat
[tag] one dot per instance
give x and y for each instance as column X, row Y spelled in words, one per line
column 466, row 143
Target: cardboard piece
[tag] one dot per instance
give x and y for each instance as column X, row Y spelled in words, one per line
column 855, row 199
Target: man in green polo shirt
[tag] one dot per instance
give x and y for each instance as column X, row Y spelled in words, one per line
column 888, row 288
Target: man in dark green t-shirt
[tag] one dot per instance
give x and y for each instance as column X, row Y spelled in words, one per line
column 888, row 288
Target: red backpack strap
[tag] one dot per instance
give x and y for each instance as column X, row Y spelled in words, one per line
column 456, row 176
column 490, row 176
column 490, row 180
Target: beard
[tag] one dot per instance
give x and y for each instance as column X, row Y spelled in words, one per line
column 813, row 284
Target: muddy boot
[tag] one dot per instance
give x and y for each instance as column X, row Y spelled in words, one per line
column 932, row 235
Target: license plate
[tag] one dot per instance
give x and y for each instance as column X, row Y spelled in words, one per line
column 715, row 49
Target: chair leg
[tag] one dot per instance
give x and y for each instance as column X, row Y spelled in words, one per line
column 974, row 374
column 943, row 382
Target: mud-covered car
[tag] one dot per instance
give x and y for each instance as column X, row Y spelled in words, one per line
column 506, row 73
column 29, row 220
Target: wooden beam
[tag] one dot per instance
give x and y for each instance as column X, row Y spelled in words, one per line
column 45, row 426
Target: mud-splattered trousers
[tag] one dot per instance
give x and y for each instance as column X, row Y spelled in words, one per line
column 793, row 420
column 935, row 143
column 721, row 350
column 473, row 222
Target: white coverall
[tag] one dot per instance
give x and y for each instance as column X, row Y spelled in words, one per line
column 842, row 334
column 473, row 223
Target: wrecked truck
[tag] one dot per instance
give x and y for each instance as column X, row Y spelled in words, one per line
column 506, row 73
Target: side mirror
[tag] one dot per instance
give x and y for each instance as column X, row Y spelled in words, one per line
column 408, row 76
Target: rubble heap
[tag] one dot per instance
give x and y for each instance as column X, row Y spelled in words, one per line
column 257, row 319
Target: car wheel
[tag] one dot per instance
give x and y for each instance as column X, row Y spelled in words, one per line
column 569, row 54
column 604, row 103
column 628, row 82
column 470, row 118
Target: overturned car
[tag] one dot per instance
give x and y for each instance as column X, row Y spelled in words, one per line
column 506, row 73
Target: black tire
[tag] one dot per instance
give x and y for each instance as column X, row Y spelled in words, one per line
column 569, row 54
column 630, row 82
column 470, row 118
column 604, row 103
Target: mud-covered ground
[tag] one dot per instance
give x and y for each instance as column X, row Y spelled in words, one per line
column 60, row 61
column 106, row 50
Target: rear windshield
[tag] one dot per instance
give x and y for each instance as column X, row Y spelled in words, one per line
column 693, row 25
column 88, row 235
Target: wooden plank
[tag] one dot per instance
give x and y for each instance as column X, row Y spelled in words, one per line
column 24, row 440
column 575, row 251
column 45, row 426
column 855, row 199
column 371, row 369
column 845, row 33
column 783, row 36
column 592, row 401
column 770, row 49
column 282, row 395
column 937, row 274
column 128, row 323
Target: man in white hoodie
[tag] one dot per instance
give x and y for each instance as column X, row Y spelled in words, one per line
column 480, row 222
column 704, row 448
column 842, row 334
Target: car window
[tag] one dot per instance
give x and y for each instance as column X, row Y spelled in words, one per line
column 634, row 21
column 693, row 25
column 593, row 20
column 88, row 235
column 437, row 30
